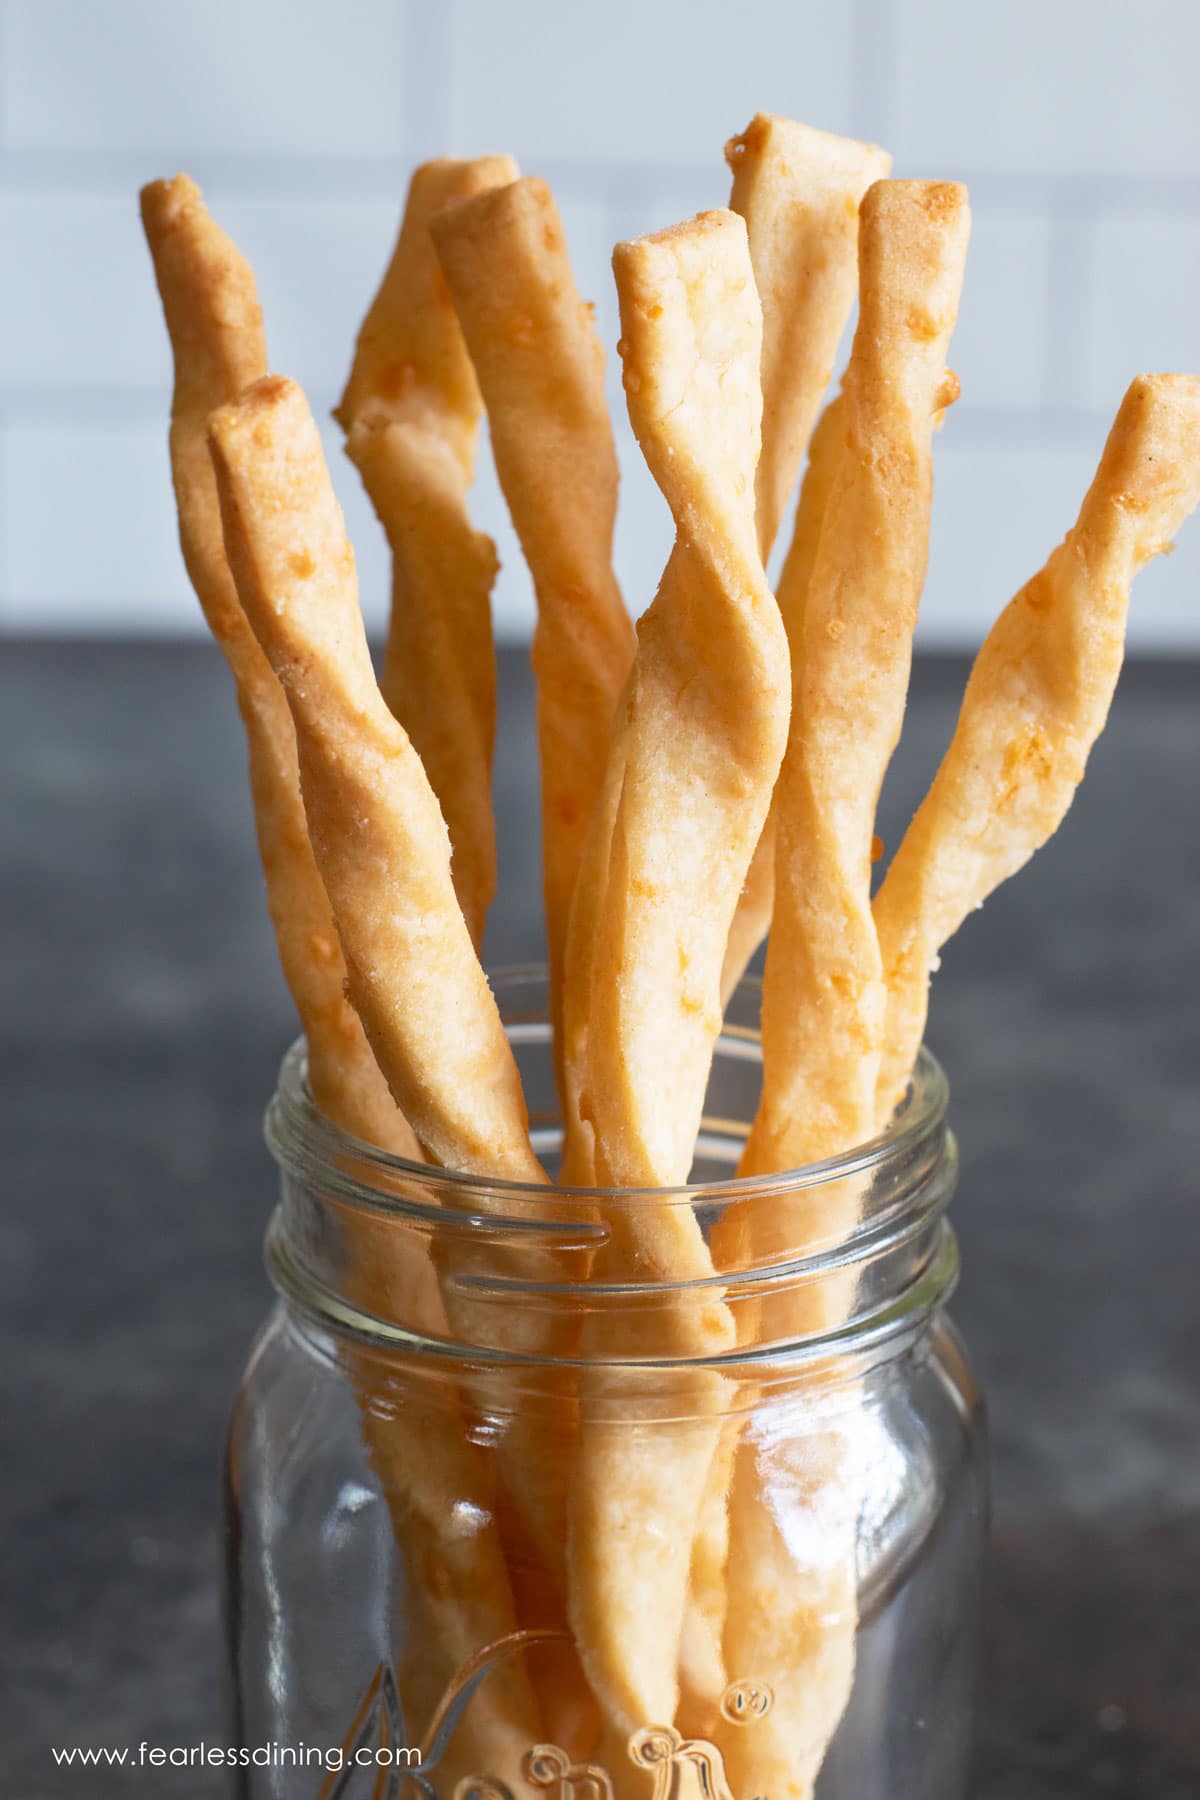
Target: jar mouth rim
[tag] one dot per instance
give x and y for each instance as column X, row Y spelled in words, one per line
column 296, row 1124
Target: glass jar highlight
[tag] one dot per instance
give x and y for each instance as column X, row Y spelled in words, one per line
column 400, row 1592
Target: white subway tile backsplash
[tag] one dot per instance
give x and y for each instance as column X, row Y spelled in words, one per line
column 1145, row 302
column 88, row 528
column 628, row 83
column 88, row 534
column 1103, row 88
column 999, row 511
column 78, row 307
column 645, row 532
column 300, row 118
column 175, row 78
column 317, row 261
column 999, row 346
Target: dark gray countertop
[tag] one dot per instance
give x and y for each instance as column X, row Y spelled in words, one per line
column 143, row 1021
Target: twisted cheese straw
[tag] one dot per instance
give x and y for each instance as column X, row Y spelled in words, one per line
column 822, row 997
column 698, row 745
column 1037, row 700
column 799, row 191
column 411, row 415
column 789, row 1627
column 703, row 1674
column 215, row 326
column 384, row 855
column 540, row 365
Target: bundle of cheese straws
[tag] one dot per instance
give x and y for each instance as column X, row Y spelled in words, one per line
column 714, row 774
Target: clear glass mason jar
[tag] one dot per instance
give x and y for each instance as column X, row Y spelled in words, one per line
column 399, row 1598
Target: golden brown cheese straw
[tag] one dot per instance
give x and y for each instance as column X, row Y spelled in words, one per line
column 1037, row 699
column 540, row 366
column 753, row 915
column 379, row 837
column 215, row 325
column 799, row 192
column 793, row 1601
column 705, row 723
column 702, row 1673
column 384, row 854
column 457, row 1596
column 823, row 992
column 697, row 749
column 411, row 414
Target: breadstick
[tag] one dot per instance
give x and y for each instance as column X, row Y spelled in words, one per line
column 799, row 192
column 793, row 1602
column 380, row 841
column 702, row 1684
column 540, row 365
column 823, row 991
column 702, row 1671
column 823, row 999
column 1037, row 700
column 411, row 414
column 383, row 851
column 215, row 326
column 753, row 915
column 698, row 745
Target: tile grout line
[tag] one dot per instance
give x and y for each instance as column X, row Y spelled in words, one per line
column 82, row 171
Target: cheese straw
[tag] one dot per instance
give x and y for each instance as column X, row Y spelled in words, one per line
column 215, row 326
column 379, row 837
column 799, row 192
column 540, row 365
column 823, row 991
column 703, row 1674
column 413, row 974
column 792, row 1624
column 698, row 745
column 1037, row 700
column 411, row 414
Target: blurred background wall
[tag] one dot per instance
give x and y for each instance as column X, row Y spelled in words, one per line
column 1074, row 123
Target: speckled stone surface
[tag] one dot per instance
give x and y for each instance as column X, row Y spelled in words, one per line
column 143, row 1018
